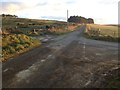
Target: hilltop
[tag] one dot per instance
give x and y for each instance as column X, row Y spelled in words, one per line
column 81, row 20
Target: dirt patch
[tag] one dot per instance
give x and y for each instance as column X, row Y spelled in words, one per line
column 79, row 70
column 70, row 61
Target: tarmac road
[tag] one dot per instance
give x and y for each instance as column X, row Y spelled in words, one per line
column 67, row 61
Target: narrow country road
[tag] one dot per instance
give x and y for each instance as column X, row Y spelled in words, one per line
column 67, row 61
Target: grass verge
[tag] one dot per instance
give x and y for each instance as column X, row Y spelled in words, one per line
column 14, row 44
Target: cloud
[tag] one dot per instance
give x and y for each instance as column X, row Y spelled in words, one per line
column 108, row 2
column 71, row 2
column 104, row 11
column 42, row 4
column 17, row 7
column 54, row 18
column 11, row 7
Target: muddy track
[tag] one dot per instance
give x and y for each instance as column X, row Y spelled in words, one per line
column 68, row 61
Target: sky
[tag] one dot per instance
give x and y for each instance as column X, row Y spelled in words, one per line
column 102, row 11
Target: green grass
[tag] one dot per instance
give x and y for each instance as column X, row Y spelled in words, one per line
column 26, row 26
column 14, row 44
column 113, row 79
column 18, row 33
column 114, row 83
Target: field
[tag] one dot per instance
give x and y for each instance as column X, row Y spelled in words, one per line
column 18, row 33
column 102, row 32
column 69, row 61
column 64, row 60
column 34, row 26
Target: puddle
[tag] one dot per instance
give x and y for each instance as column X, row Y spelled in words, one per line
column 43, row 60
column 88, row 83
column 23, row 74
column 5, row 70
column 98, row 54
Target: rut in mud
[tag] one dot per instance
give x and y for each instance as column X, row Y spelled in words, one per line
column 69, row 61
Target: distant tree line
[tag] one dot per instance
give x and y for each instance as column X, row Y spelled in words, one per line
column 80, row 19
column 8, row 15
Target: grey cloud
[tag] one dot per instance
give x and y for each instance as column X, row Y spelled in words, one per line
column 5, row 5
column 70, row 2
column 54, row 17
column 11, row 0
column 42, row 4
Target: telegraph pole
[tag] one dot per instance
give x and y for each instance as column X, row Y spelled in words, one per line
column 67, row 19
column 67, row 15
